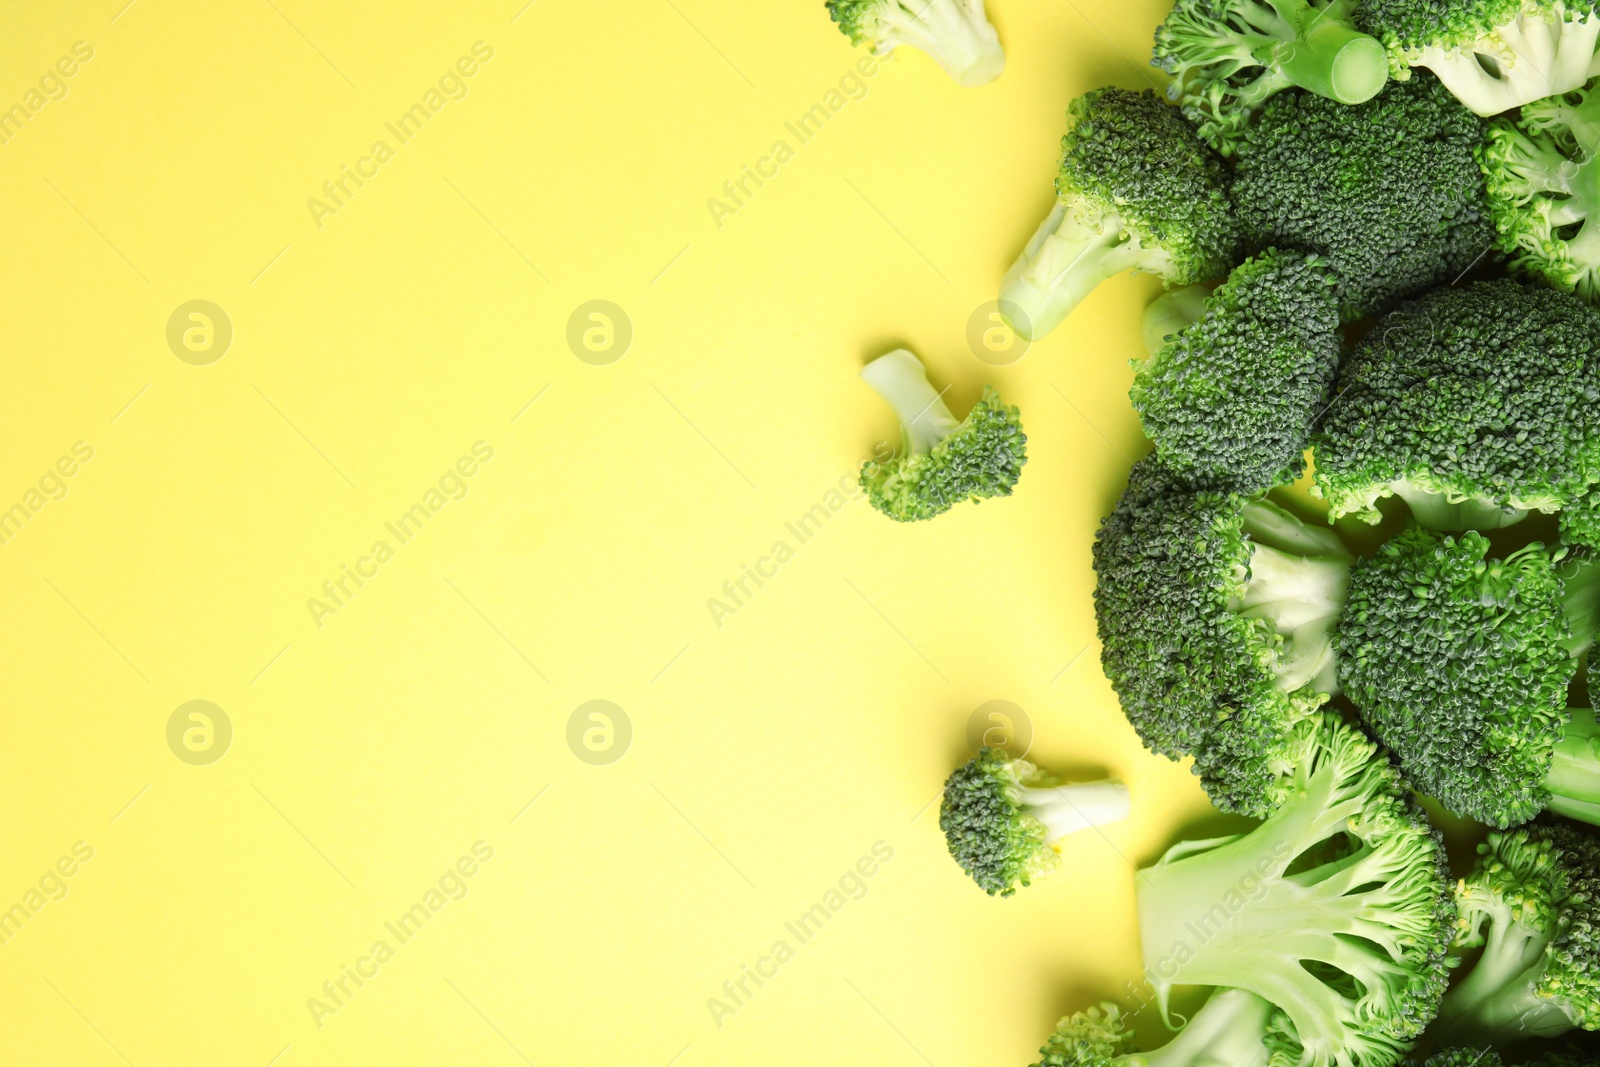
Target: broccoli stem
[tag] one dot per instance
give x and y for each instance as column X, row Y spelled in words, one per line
column 1436, row 511
column 958, row 38
column 1171, row 313
column 900, row 379
column 1299, row 576
column 1511, row 1013
column 1574, row 776
column 1510, row 949
column 1580, row 602
column 1063, row 262
column 1327, row 55
column 1066, row 809
column 1226, row 1032
column 1535, row 56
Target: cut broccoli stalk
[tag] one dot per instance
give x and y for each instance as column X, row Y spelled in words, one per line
column 1437, row 511
column 1002, row 817
column 1229, row 1030
column 944, row 460
column 1334, row 909
column 1299, row 575
column 956, row 33
column 1534, row 55
column 1172, row 311
column 1068, row 255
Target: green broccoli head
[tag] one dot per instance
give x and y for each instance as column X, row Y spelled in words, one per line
column 1459, row 663
column 1494, row 55
column 956, row 33
column 1001, row 818
column 1544, row 190
column 1214, row 610
column 1388, row 191
column 1232, row 398
column 1230, row 1028
column 1476, row 405
column 1137, row 190
column 1228, row 57
column 942, row 461
column 1532, row 903
column 1336, row 909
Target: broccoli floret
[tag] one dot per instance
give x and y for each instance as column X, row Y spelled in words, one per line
column 1464, row 1057
column 1227, row 57
column 1544, row 190
column 1137, row 190
column 1001, row 818
column 943, row 461
column 956, row 33
column 1389, row 190
column 1532, row 903
column 1336, row 909
column 1170, row 313
column 1214, row 610
column 1494, row 55
column 1476, row 405
column 1229, row 1030
column 1232, row 398
column 1459, row 663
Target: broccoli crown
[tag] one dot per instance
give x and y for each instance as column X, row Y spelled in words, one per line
column 956, row 33
column 1484, row 393
column 1233, row 397
column 1227, row 57
column 1093, row 1038
column 1571, row 975
column 1457, row 663
column 1464, row 1057
column 981, row 458
column 998, row 843
column 1336, row 909
column 1544, row 190
column 1388, row 191
column 1230, row 1028
column 1132, row 166
column 1203, row 627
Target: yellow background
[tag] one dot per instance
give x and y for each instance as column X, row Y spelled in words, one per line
column 369, row 353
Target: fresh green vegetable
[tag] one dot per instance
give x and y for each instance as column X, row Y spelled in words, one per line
column 1002, row 817
column 1228, row 57
column 1214, row 612
column 1232, row 398
column 943, row 460
column 1168, row 314
column 1389, row 191
column 1137, row 190
column 956, row 33
column 1229, row 1030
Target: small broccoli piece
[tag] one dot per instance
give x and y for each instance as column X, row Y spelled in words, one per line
column 1214, row 610
column 1494, row 55
column 1544, row 190
column 1464, row 1057
column 1389, row 191
column 1336, row 909
column 1137, row 190
column 1232, row 398
column 1476, row 405
column 1532, row 903
column 1170, row 313
column 1227, row 57
column 1229, row 1030
column 943, row 461
column 1001, row 818
column 1459, row 663
column 956, row 33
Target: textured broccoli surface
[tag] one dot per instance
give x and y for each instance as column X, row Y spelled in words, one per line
column 1532, row 903
column 956, row 33
column 1464, row 1057
column 1137, row 190
column 1232, row 397
column 1388, row 191
column 1229, row 1030
column 1214, row 610
column 943, row 461
column 1544, row 190
column 1170, row 313
column 1001, row 816
column 1494, row 55
column 1228, row 57
column 1459, row 663
column 1475, row 405
column 1336, row 909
